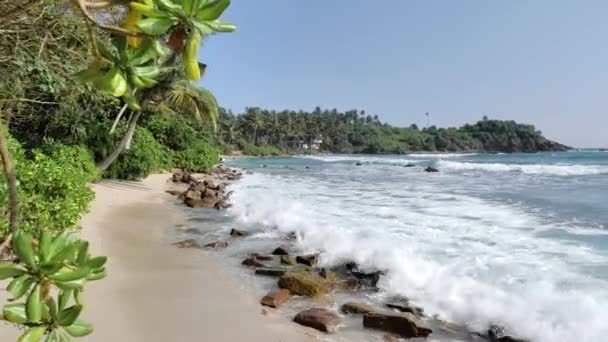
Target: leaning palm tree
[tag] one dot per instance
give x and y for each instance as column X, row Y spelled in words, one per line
column 188, row 98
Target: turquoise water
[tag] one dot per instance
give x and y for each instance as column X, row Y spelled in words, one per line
column 519, row 240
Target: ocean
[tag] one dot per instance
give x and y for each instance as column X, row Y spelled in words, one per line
column 517, row 240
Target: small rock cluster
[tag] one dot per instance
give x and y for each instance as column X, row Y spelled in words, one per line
column 208, row 193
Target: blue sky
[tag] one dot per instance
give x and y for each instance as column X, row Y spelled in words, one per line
column 543, row 62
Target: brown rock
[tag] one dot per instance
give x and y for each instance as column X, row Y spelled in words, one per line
column 193, row 194
column 217, row 245
column 190, row 243
column 287, row 260
column 221, row 204
column 270, row 271
column 308, row 260
column 211, row 185
column 200, row 203
column 356, row 308
column 320, row 319
column 251, row 262
column 275, row 298
column 208, row 193
column 403, row 324
column 304, row 283
column 238, row 232
column 173, row 192
column 279, row 251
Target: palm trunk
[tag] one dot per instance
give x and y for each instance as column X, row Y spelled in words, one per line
column 104, row 164
column 11, row 180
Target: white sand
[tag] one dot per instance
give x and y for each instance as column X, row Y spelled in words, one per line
column 155, row 291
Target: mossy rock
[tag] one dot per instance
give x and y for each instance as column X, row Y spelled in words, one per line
column 288, row 260
column 304, row 283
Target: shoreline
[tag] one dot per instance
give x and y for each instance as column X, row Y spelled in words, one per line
column 155, row 291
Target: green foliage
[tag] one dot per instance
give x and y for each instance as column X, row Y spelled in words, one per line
column 47, row 283
column 262, row 151
column 172, row 131
column 199, row 157
column 357, row 132
column 145, row 156
column 52, row 186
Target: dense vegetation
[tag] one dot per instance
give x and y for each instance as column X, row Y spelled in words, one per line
column 356, row 132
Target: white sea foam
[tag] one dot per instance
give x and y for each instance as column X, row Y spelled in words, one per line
column 467, row 259
column 362, row 159
column 441, row 155
column 556, row 170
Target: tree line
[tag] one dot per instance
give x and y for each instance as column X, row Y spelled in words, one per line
column 355, row 131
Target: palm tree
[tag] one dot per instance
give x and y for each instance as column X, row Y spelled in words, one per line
column 188, row 98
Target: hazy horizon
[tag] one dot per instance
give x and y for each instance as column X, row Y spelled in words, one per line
column 539, row 63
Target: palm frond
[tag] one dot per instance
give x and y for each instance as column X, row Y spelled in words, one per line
column 188, row 98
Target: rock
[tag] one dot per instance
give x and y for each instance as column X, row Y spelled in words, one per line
column 320, row 319
column 390, row 338
column 263, row 257
column 190, row 243
column 304, row 283
column 209, row 184
column 280, row 251
column 358, row 164
column 221, row 204
column 430, row 169
column 275, row 298
column 406, row 308
column 497, row 334
column 208, row 193
column 217, row 245
column 200, row 203
column 251, row 262
column 270, row 271
column 368, row 279
column 409, row 165
column 403, row 324
column 356, row 308
column 183, row 177
column 238, row 232
column 192, row 194
column 173, row 192
column 288, row 260
column 349, row 284
column 308, row 260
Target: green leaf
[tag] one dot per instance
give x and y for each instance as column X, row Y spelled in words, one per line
column 83, row 253
column 170, row 6
column 64, row 298
column 33, row 306
column 44, row 246
column 79, row 328
column 147, row 71
column 108, row 51
column 97, row 262
column 202, row 28
column 213, row 10
column 88, row 75
column 68, row 316
column 145, row 53
column 20, row 286
column 52, row 308
column 24, row 249
column 155, row 26
column 68, row 251
column 50, row 268
column 10, row 270
column 188, row 6
column 131, row 101
column 97, row 275
column 221, row 26
column 71, row 285
column 33, row 334
column 59, row 244
column 15, row 313
column 69, row 276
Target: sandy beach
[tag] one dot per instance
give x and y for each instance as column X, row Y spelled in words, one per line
column 155, row 291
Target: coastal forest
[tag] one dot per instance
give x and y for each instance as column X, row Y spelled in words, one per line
column 259, row 131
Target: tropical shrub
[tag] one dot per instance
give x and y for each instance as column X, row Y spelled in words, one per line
column 262, row 151
column 199, row 157
column 172, row 131
column 52, row 186
column 145, row 156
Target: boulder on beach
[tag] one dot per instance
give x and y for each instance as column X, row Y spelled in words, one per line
column 356, row 308
column 321, row 319
column 217, row 245
column 262, row 257
column 308, row 260
column 275, row 298
column 358, row 164
column 430, row 169
column 190, row 243
column 304, row 283
column 251, row 262
column 270, row 271
column 280, row 251
column 418, row 311
column 403, row 324
column 200, row 203
column 238, row 232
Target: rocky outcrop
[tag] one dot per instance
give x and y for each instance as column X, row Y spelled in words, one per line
column 275, row 298
column 251, row 262
column 357, row 308
column 280, row 251
column 206, row 193
column 403, row 324
column 430, row 169
column 288, row 260
column 270, row 271
column 406, row 308
column 308, row 260
column 216, row 245
column 320, row 319
column 238, row 232
column 304, row 283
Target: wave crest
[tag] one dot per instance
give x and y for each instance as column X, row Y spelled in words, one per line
column 535, row 169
